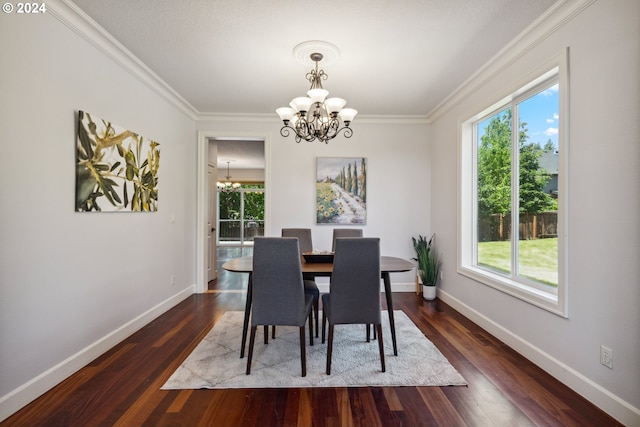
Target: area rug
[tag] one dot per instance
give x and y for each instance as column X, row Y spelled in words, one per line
column 215, row 363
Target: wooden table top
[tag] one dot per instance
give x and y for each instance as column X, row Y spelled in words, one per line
column 388, row 264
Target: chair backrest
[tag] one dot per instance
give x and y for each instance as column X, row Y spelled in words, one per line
column 355, row 282
column 303, row 235
column 344, row 232
column 278, row 290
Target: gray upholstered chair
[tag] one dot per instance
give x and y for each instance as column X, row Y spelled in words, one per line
column 310, row 286
column 354, row 294
column 278, row 291
column 344, row 232
column 304, row 237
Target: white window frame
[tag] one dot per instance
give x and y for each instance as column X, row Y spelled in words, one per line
column 554, row 300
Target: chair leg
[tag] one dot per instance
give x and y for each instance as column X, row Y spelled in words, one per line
column 381, row 346
column 316, row 309
column 273, row 332
column 311, row 329
column 369, row 332
column 252, row 340
column 329, row 349
column 303, row 352
column 266, row 334
column 324, row 325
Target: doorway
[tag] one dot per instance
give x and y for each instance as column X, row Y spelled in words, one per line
column 232, row 140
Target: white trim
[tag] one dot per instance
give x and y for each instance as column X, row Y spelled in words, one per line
column 23, row 395
column 202, row 195
column 613, row 405
column 556, row 68
column 82, row 24
column 539, row 30
column 273, row 118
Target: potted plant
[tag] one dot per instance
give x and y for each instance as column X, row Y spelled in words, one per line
column 429, row 264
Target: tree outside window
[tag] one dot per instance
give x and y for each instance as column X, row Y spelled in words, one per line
column 516, row 217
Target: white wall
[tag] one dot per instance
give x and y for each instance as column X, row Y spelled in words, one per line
column 398, row 175
column 242, row 175
column 72, row 284
column 69, row 286
column 604, row 201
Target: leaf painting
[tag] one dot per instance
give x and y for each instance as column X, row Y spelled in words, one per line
column 116, row 169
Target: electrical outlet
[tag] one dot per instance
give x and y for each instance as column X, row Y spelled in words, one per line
column 172, row 280
column 440, row 274
column 606, row 357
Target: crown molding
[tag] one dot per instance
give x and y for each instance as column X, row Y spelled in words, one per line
column 554, row 18
column 75, row 19
column 273, row 118
column 539, row 30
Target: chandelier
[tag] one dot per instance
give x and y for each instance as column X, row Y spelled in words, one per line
column 314, row 116
column 227, row 186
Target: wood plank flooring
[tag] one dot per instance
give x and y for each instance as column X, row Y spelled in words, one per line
column 122, row 387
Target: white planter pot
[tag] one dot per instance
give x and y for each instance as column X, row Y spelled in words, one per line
column 428, row 292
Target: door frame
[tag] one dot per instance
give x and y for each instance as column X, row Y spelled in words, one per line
column 202, row 195
column 212, row 226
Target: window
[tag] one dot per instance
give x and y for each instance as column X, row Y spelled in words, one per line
column 241, row 214
column 513, row 192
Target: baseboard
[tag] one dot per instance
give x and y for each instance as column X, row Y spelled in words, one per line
column 23, row 395
column 613, row 405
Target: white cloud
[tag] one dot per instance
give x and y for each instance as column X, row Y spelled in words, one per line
column 556, row 116
column 552, row 90
column 550, row 120
column 551, row 131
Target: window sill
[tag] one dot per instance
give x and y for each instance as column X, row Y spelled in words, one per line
column 546, row 300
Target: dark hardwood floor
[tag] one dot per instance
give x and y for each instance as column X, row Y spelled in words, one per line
column 122, row 387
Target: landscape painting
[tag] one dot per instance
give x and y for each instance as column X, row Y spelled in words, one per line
column 116, row 169
column 341, row 190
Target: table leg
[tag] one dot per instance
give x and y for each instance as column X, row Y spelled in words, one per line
column 247, row 312
column 392, row 323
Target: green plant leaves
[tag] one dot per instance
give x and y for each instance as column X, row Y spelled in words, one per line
column 429, row 262
column 109, row 162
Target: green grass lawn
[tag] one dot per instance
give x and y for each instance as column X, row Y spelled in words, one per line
column 538, row 258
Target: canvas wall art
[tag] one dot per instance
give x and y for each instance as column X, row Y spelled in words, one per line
column 341, row 190
column 116, row 169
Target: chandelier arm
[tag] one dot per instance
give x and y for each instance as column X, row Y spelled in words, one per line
column 284, row 130
column 348, row 132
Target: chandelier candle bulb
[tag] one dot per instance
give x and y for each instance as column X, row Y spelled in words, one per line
column 347, row 115
column 335, row 105
column 317, row 95
column 285, row 113
column 301, row 104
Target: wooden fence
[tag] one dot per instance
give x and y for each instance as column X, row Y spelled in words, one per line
column 498, row 227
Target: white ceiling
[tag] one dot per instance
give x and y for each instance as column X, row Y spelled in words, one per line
column 397, row 57
column 241, row 153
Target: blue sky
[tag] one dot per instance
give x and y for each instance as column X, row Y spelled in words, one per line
column 540, row 112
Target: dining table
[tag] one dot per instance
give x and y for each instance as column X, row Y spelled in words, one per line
column 388, row 265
